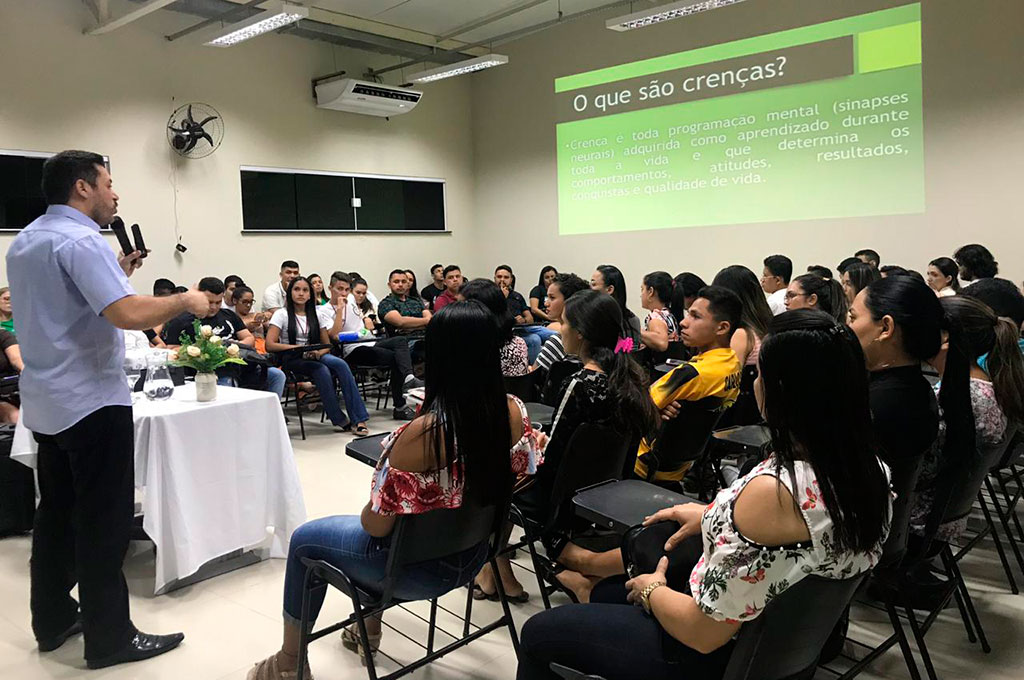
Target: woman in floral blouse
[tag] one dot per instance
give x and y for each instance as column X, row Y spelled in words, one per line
column 468, row 442
column 820, row 505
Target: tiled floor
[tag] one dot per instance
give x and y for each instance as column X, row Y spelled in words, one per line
column 233, row 620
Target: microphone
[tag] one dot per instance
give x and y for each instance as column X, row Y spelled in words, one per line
column 117, row 226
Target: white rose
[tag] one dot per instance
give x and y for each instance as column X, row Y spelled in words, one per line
column 173, row 356
column 215, row 340
column 232, row 350
column 207, row 331
column 193, row 351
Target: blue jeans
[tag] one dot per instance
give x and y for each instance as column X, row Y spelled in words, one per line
column 275, row 381
column 342, row 542
column 321, row 372
column 534, row 337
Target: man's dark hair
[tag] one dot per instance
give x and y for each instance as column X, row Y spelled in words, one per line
column 976, row 262
column 60, row 172
column 340, row 276
column 289, row 264
column 211, row 284
column 779, row 265
column 724, row 304
column 894, row 270
column 163, row 287
column 395, row 271
column 233, row 278
column 437, row 266
column 1001, row 296
column 240, row 290
column 449, row 269
column 180, row 289
column 821, row 270
column 569, row 284
column 872, row 255
column 845, row 264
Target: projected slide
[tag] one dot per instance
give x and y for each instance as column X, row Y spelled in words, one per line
column 818, row 121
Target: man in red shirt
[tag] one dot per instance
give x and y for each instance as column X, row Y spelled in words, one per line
column 452, row 282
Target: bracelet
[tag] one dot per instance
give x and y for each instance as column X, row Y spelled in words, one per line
column 645, row 595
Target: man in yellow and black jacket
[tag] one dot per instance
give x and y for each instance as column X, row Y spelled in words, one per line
column 702, row 387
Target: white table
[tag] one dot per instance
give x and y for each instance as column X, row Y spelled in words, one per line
column 217, row 477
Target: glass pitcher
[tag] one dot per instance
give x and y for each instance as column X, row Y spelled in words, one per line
column 158, row 385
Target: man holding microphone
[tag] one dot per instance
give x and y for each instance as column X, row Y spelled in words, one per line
column 71, row 295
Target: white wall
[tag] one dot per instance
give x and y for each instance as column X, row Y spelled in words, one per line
column 974, row 148
column 113, row 94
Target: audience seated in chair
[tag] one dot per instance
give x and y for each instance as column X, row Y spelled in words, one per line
column 1003, row 298
column 976, row 263
column 820, row 505
column 561, row 289
column 228, row 326
column 775, row 277
column 609, row 280
column 514, row 361
column 10, row 365
column 275, row 295
column 996, row 393
column 422, row 470
column 320, row 294
column 943, row 276
column 452, row 283
column 709, row 382
column 685, row 287
column 810, row 291
column 659, row 326
column 6, row 313
column 869, row 256
column 435, row 287
column 400, row 312
column 231, row 281
column 300, row 323
column 610, row 389
column 821, row 270
column 390, row 353
column 539, row 294
column 856, row 278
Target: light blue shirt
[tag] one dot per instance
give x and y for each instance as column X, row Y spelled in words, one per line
column 63, row 275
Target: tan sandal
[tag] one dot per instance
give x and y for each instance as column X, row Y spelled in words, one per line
column 350, row 640
column 268, row 669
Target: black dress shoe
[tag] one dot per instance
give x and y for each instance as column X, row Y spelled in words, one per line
column 53, row 643
column 143, row 646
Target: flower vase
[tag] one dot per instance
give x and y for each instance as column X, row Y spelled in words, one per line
column 206, row 386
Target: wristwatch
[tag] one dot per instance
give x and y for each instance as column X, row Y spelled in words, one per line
column 645, row 595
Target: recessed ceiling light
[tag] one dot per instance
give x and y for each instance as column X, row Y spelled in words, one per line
column 656, row 15
column 459, row 68
column 277, row 16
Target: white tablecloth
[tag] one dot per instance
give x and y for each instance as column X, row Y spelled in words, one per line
column 216, row 476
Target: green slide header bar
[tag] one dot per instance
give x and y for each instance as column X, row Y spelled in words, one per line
column 874, row 21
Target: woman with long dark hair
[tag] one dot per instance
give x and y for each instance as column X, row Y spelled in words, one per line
column 513, row 348
column 856, row 278
column 819, row 504
column 685, row 287
column 320, row 295
column 943, row 276
column 810, row 291
column 468, row 441
column 414, row 288
column 299, row 323
column 539, row 293
column 660, row 327
column 996, row 392
column 609, row 280
column 757, row 315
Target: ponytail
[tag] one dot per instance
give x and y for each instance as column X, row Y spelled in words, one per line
column 1006, row 369
column 627, row 384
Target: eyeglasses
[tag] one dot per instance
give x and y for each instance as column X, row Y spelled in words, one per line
column 791, row 295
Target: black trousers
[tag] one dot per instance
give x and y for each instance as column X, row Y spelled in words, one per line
column 392, row 353
column 82, row 529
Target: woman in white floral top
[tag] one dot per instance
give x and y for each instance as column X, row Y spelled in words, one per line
column 819, row 505
column 467, row 443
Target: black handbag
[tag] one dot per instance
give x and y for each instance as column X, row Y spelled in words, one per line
column 643, row 547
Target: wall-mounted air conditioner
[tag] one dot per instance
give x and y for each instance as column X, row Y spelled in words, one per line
column 371, row 99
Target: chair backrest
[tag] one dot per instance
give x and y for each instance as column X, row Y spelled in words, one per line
column 557, row 375
column 521, row 386
column 595, row 453
column 904, row 480
column 744, row 410
column 784, row 642
column 1014, row 451
column 684, row 438
column 971, row 475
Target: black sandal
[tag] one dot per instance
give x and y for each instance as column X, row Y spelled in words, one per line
column 480, row 594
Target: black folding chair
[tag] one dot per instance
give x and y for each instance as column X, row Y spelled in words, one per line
column 684, row 439
column 785, row 641
column 416, row 538
column 1004, row 473
column 551, row 392
column 522, row 386
column 595, row 454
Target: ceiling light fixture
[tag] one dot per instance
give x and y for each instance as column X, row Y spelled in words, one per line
column 656, row 15
column 459, row 68
column 277, row 16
